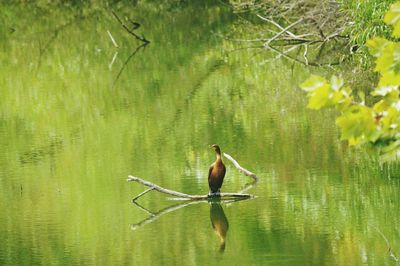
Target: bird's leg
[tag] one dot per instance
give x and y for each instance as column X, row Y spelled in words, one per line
column 214, row 194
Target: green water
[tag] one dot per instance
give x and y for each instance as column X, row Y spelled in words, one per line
column 73, row 126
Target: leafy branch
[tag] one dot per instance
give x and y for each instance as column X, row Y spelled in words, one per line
column 377, row 124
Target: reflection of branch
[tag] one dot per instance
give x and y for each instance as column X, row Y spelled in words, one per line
column 135, row 24
column 248, row 186
column 160, row 213
column 127, row 61
column 143, row 208
column 154, row 216
column 388, row 245
column 299, row 61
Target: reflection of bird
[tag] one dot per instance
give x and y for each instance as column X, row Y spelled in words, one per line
column 219, row 223
column 216, row 173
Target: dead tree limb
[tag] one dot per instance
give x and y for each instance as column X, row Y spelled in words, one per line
column 180, row 195
column 241, row 169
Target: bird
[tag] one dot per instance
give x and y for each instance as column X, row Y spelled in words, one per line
column 216, row 173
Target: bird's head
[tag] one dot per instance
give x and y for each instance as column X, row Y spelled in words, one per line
column 216, row 148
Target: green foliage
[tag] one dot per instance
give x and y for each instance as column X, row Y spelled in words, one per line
column 378, row 124
column 366, row 19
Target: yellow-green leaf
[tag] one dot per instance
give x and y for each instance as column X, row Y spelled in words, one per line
column 312, row 83
column 376, row 46
column 319, row 97
column 392, row 17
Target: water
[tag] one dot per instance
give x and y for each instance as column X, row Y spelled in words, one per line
column 73, row 126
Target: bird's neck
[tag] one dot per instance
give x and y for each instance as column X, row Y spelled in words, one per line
column 219, row 156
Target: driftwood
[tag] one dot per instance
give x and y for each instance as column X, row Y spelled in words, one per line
column 184, row 196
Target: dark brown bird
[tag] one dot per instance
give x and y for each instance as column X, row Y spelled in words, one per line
column 216, row 173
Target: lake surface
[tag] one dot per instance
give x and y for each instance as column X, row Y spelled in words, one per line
column 78, row 115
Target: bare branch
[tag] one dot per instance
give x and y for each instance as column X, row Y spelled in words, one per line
column 284, row 30
column 180, row 195
column 241, row 169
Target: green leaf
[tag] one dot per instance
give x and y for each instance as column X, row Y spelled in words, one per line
column 312, row 83
column 392, row 17
column 381, row 106
column 389, row 78
column 376, row 46
column 319, row 97
column 357, row 124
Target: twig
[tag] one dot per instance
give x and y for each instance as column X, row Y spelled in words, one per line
column 276, row 24
column 284, row 30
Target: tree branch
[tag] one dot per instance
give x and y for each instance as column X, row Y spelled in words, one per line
column 180, row 195
column 241, row 169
